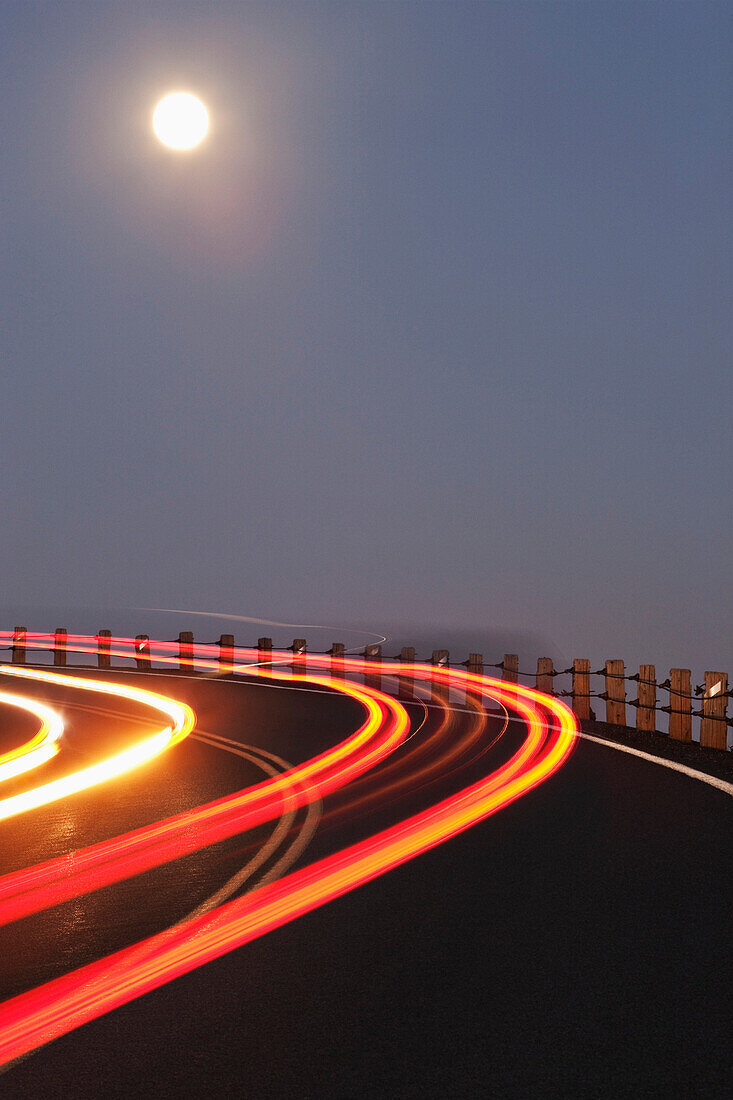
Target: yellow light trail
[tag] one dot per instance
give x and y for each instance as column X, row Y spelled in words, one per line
column 40, row 748
column 181, row 716
column 50, row 1010
column 58, row 1006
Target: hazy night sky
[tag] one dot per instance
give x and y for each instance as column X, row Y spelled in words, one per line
column 435, row 327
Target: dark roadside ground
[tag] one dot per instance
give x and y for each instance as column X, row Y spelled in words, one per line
column 713, row 761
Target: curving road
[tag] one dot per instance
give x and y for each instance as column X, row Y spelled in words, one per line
column 505, row 960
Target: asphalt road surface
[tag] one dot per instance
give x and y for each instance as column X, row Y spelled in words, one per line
column 576, row 943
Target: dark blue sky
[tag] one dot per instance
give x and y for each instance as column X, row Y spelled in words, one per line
column 434, row 329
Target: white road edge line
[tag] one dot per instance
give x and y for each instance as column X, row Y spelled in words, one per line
column 726, row 788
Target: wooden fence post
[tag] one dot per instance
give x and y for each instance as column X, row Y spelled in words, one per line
column 406, row 686
column 510, row 668
column 615, row 694
column 476, row 664
column 646, row 718
column 104, row 639
column 680, row 704
column 441, row 659
column 373, row 679
column 298, row 647
column 475, row 667
column 545, row 675
column 226, row 652
column 338, row 652
column 59, row 646
column 581, row 688
column 142, row 651
column 713, row 728
column 185, row 651
column 19, row 634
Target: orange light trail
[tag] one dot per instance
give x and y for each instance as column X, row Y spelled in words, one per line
column 181, row 716
column 40, row 748
column 46, row 884
column 42, row 1014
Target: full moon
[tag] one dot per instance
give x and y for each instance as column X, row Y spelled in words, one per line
column 180, row 120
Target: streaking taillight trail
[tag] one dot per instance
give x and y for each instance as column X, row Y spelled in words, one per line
column 35, row 888
column 52, row 1009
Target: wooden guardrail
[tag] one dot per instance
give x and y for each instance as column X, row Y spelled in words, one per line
column 713, row 693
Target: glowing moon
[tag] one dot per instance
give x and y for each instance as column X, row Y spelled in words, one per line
column 180, row 120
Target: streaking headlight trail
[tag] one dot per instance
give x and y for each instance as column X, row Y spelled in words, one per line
column 182, row 721
column 384, row 729
column 33, row 1018
column 40, row 748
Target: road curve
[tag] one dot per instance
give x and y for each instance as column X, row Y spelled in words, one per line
column 66, row 1002
column 573, row 945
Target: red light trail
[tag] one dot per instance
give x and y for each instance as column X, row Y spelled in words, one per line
column 39, row 1015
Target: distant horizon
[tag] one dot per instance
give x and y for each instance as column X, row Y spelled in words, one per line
column 433, row 329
